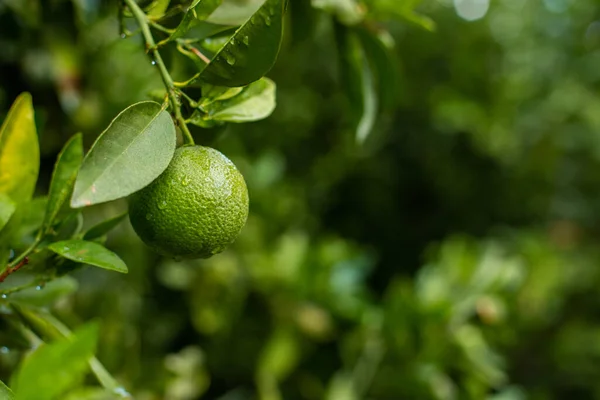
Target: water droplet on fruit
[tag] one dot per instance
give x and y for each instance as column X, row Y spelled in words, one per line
column 123, row 36
column 230, row 59
column 4, row 350
column 268, row 20
column 4, row 296
column 39, row 287
column 153, row 62
column 162, row 205
column 246, row 40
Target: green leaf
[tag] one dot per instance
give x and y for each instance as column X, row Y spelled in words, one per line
column 56, row 367
column 135, row 149
column 348, row 12
column 198, row 11
column 252, row 50
column 5, row 392
column 90, row 393
column 63, row 178
column 382, row 9
column 359, row 81
column 7, row 209
column 89, row 253
column 103, row 227
column 254, row 102
column 382, row 58
column 158, row 8
column 198, row 118
column 46, row 295
column 235, row 12
column 19, row 151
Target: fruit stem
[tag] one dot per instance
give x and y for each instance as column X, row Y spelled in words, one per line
column 143, row 22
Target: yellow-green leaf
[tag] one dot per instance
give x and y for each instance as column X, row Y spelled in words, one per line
column 19, row 151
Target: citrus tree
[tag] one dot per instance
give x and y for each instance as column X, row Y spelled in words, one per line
column 185, row 200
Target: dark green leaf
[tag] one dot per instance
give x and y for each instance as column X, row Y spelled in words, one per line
column 5, row 392
column 136, row 148
column 63, row 178
column 384, row 64
column 7, row 208
column 55, row 367
column 19, row 151
column 254, row 102
column 69, row 227
column 198, row 11
column 251, row 52
column 32, row 214
column 359, row 81
column 25, row 222
column 89, row 253
column 103, row 227
column 46, row 295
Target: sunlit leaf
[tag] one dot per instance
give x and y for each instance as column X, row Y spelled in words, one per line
column 135, row 149
column 252, row 50
column 19, row 151
column 55, row 367
column 254, row 102
column 63, row 178
column 90, row 253
column 158, row 8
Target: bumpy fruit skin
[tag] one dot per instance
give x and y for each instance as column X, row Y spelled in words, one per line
column 195, row 208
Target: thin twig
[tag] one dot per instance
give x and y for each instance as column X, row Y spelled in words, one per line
column 161, row 28
column 193, row 103
column 186, row 83
column 142, row 21
column 9, row 270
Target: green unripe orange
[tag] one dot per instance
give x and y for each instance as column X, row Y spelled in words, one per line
column 195, row 208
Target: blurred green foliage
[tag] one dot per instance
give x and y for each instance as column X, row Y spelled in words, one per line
column 452, row 255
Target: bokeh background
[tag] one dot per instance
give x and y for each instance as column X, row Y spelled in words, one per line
column 453, row 255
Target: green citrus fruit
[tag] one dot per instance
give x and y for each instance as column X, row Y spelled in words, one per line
column 195, row 208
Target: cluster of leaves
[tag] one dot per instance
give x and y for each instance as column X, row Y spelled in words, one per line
column 329, row 292
column 133, row 151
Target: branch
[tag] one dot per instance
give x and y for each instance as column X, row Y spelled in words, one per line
column 143, row 22
column 9, row 270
